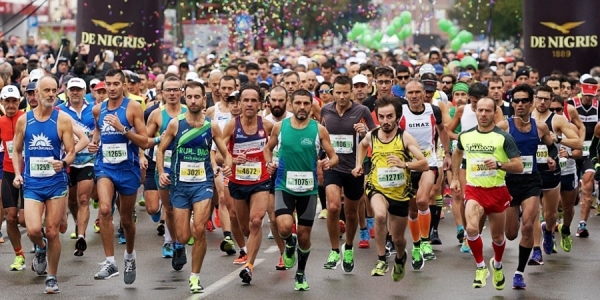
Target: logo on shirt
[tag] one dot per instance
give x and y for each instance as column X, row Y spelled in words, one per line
column 480, row 148
column 40, row 142
column 261, row 133
column 108, row 129
column 418, row 125
column 306, row 142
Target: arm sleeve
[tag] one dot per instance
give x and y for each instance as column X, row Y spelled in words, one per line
column 510, row 147
column 553, row 151
column 437, row 113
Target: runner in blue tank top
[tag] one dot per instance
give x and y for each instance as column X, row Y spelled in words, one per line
column 119, row 134
column 191, row 176
column 81, row 172
column 526, row 187
column 156, row 126
column 41, row 134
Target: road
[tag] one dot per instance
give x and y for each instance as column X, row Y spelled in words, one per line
column 572, row 275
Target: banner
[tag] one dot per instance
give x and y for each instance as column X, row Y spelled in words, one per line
column 133, row 30
column 561, row 35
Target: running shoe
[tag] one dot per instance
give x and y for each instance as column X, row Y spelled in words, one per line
column 80, row 246
column 498, row 278
column 246, row 275
column 342, row 228
column 160, row 228
column 364, row 239
column 332, row 261
column 582, row 230
column 179, row 258
column 465, row 246
column 481, row 274
column 548, row 242
column 1, row 238
column 191, row 241
column 597, row 210
column 242, row 258
column 270, row 235
column 108, row 270
column 97, row 226
column 417, row 259
column 566, row 242
column 519, row 282
column 536, row 258
column 228, row 246
column 435, row 238
column 280, row 266
column 390, row 248
column 95, row 203
column 301, row 284
column 427, row 250
column 371, row 227
column 156, row 216
column 167, row 250
column 217, row 220
column 380, row 268
column 195, row 287
column 18, row 264
column 121, row 236
column 399, row 270
column 347, row 259
column 51, row 285
column 74, row 235
column 289, row 254
column 130, row 272
column 209, row 226
column 323, row 214
column 142, row 202
column 460, row 235
column 40, row 262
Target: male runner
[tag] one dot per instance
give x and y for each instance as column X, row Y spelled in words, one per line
column 297, row 139
column 389, row 181
column 190, row 136
column 121, row 131
column 41, row 138
column 490, row 153
column 250, row 183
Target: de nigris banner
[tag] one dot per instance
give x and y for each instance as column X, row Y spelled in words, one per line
column 133, row 30
column 561, row 35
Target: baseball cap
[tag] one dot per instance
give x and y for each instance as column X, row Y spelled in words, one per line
column 76, row 82
column 501, row 60
column 264, row 84
column 360, row 78
column 233, row 95
column 30, row 87
column 62, row 59
column 429, row 85
column 66, row 79
column 426, row 68
column 438, row 69
column 191, row 76
column 587, row 89
column 134, row 78
column 10, row 91
column 276, row 69
column 36, row 74
column 100, row 85
column 464, row 74
column 173, row 69
column 210, row 56
column 522, row 72
column 93, row 82
column 584, row 77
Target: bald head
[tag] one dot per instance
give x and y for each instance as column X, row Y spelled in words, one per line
column 311, row 80
column 303, row 78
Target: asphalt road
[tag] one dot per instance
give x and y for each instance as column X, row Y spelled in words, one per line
column 573, row 275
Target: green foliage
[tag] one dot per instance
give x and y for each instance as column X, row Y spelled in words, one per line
column 507, row 17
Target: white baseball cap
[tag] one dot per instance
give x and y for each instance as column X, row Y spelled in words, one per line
column 36, row 74
column 94, row 82
column 191, row 76
column 320, row 78
column 173, row 69
column 360, row 78
column 10, row 91
column 210, row 56
column 584, row 77
column 76, row 82
column 426, row 68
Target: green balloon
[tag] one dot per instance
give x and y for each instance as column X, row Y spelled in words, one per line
column 376, row 45
column 391, row 30
column 366, row 39
column 466, row 36
column 351, row 36
column 406, row 17
column 378, row 36
column 453, row 32
column 445, row 25
column 397, row 23
column 399, row 35
column 455, row 44
column 406, row 31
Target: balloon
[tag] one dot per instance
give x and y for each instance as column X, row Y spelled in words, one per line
column 351, row 36
column 376, row 45
column 444, row 25
column 359, row 28
column 391, row 30
column 468, row 60
column 453, row 32
column 406, row 31
column 455, row 44
column 366, row 39
column 465, row 36
column 378, row 36
column 397, row 22
column 406, row 17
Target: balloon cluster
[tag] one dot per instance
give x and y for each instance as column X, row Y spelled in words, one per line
column 458, row 37
column 400, row 27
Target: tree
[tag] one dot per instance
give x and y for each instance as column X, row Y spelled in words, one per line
column 474, row 16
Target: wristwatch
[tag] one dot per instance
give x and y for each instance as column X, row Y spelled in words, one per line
column 498, row 165
column 125, row 130
column 64, row 164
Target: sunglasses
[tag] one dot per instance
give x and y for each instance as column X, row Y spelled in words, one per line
column 447, row 82
column 384, row 82
column 555, row 109
column 521, row 100
column 324, row 91
column 403, row 77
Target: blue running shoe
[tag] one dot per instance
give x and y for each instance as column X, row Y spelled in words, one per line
column 156, row 217
column 519, row 282
column 548, row 242
column 536, row 258
column 121, row 236
column 167, row 250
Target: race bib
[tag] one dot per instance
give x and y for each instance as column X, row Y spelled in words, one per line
column 192, row 172
column 541, row 156
column 275, row 157
column 114, row 153
column 390, row 177
column 249, row 171
column 299, row 181
column 562, row 162
column 342, row 143
column 527, row 164
column 586, row 148
column 454, row 144
column 10, row 147
column 168, row 154
column 479, row 168
column 426, row 152
column 41, row 167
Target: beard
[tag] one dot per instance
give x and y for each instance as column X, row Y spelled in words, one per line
column 388, row 129
column 277, row 111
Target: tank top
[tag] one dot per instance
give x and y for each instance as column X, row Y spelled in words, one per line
column 589, row 117
column 298, row 152
column 527, row 142
column 542, row 153
column 85, row 120
column 165, row 119
column 116, row 151
column 191, row 154
column 422, row 127
column 42, row 146
column 7, row 133
column 392, row 182
column 468, row 119
column 254, row 170
column 222, row 118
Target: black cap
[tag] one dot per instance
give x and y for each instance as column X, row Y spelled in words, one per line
column 522, row 72
column 134, row 78
column 66, row 79
column 429, row 85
